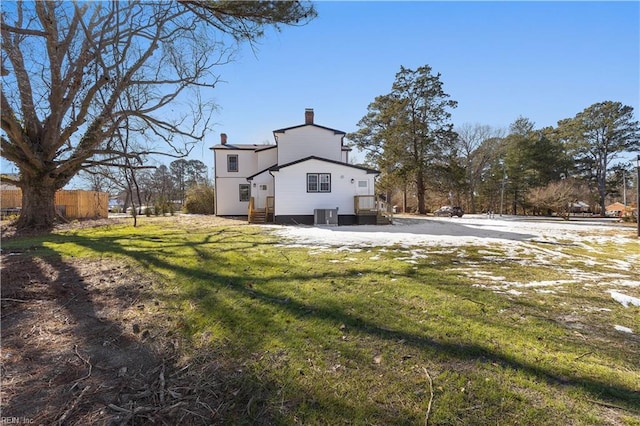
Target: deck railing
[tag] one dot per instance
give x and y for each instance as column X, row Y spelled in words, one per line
column 364, row 204
column 367, row 205
column 270, row 207
column 251, row 208
column 261, row 215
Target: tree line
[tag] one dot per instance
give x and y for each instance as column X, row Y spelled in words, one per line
column 425, row 161
column 183, row 185
column 94, row 85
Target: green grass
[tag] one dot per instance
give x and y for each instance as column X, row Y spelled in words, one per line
column 335, row 337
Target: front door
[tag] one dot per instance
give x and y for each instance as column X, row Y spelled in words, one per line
column 261, row 196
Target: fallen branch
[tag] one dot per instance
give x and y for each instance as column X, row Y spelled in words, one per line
column 119, row 409
column 173, row 407
column 137, row 410
column 608, row 405
column 285, row 256
column 63, row 418
column 426, row 418
column 67, row 302
column 86, row 361
column 161, row 379
column 584, row 354
column 8, row 299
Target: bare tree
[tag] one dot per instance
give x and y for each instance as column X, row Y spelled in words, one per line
column 476, row 153
column 557, row 196
column 76, row 75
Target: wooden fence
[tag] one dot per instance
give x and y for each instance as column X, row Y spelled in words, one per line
column 74, row 204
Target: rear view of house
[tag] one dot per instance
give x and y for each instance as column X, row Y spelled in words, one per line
column 305, row 178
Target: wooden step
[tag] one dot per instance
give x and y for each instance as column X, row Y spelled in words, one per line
column 382, row 220
column 258, row 217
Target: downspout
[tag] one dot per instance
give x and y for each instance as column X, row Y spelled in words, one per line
column 274, row 196
column 215, row 184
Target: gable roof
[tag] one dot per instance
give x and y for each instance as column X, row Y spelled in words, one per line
column 260, row 172
column 245, row 147
column 335, row 132
column 616, row 207
column 313, row 157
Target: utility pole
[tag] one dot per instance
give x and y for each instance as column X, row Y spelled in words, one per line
column 638, row 193
column 504, row 177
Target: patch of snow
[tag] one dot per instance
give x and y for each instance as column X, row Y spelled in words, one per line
column 623, row 329
column 625, row 283
column 504, row 241
column 624, row 299
column 551, row 283
column 589, row 309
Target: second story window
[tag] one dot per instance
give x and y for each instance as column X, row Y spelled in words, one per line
column 232, row 163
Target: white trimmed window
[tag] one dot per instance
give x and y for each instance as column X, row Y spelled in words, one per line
column 245, row 192
column 232, row 163
column 318, row 182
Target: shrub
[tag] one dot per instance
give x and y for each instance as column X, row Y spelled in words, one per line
column 199, row 199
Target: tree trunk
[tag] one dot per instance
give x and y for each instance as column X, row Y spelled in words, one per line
column 472, row 199
column 404, row 199
column 602, row 193
column 420, row 188
column 38, row 207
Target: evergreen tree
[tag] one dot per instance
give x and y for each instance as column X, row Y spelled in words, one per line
column 407, row 132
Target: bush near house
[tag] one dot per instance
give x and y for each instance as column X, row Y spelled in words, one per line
column 199, row 200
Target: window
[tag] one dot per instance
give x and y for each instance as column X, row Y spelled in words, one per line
column 263, row 187
column 318, row 182
column 362, row 184
column 244, row 192
column 232, row 163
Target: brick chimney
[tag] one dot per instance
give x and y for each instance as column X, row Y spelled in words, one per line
column 308, row 116
column 223, row 138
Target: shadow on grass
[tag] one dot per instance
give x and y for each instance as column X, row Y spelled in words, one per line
column 65, row 357
column 157, row 255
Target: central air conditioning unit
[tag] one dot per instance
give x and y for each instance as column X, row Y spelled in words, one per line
column 325, row 217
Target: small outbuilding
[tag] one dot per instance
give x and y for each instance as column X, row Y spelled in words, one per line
column 615, row 210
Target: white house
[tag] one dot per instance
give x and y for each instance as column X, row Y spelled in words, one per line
column 304, row 178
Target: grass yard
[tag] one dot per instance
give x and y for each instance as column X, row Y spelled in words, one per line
column 243, row 327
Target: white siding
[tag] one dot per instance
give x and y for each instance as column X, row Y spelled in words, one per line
column 257, row 192
column 228, row 183
column 228, row 197
column 307, row 141
column 266, row 158
column 247, row 163
column 292, row 198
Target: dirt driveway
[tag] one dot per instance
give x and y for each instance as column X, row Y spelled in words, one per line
column 470, row 229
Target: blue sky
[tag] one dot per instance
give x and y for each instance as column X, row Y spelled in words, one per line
column 500, row 60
